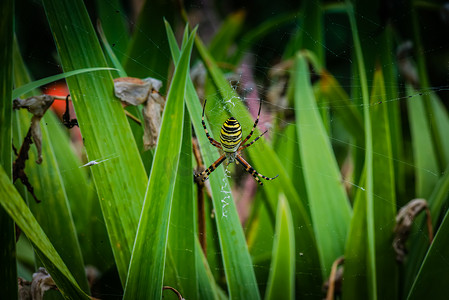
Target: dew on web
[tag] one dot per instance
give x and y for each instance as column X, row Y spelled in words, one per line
column 227, row 193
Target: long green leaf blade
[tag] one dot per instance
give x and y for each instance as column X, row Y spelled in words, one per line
column 368, row 154
column 423, row 148
column 17, row 209
column 28, row 87
column 182, row 232
column 281, row 283
column 329, row 205
column 121, row 180
column 384, row 191
column 146, row 270
column 432, row 275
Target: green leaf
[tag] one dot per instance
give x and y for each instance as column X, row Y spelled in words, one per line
column 146, row 269
column 236, row 260
column 384, row 212
column 81, row 195
column 281, row 283
column 361, row 74
column 182, row 232
column 432, row 275
column 355, row 283
column 384, row 189
column 426, row 166
column 329, row 205
column 28, row 87
column 8, row 272
column 334, row 93
column 439, row 111
column 120, row 180
column 17, row 209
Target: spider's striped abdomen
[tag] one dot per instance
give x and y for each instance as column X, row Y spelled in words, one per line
column 231, row 135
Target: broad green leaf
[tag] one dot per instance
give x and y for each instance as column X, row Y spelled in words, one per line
column 17, row 209
column 384, row 191
column 236, row 260
column 281, row 283
column 355, row 283
column 53, row 212
column 336, row 96
column 370, row 217
column 440, row 113
column 120, row 180
column 8, row 270
column 146, row 269
column 182, row 232
column 308, row 274
column 29, row 86
column 329, row 205
column 424, row 158
column 81, row 195
column 420, row 241
column 427, row 99
column 432, row 276
column 285, row 146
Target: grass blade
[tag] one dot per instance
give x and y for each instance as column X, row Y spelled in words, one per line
column 8, row 272
column 281, row 283
column 384, row 191
column 368, row 155
column 182, row 232
column 432, row 275
column 120, row 181
column 145, row 279
column 329, row 205
column 28, row 87
column 423, row 149
column 17, row 209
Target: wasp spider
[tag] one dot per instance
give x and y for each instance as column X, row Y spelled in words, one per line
column 232, row 144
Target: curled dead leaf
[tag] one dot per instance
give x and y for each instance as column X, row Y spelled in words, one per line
column 36, row 105
column 404, row 222
column 36, row 289
column 135, row 91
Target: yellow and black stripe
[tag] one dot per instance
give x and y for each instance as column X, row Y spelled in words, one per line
column 231, row 135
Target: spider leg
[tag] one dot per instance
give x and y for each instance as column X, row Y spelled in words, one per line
column 211, row 140
column 211, row 168
column 246, row 146
column 252, row 171
column 255, row 125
